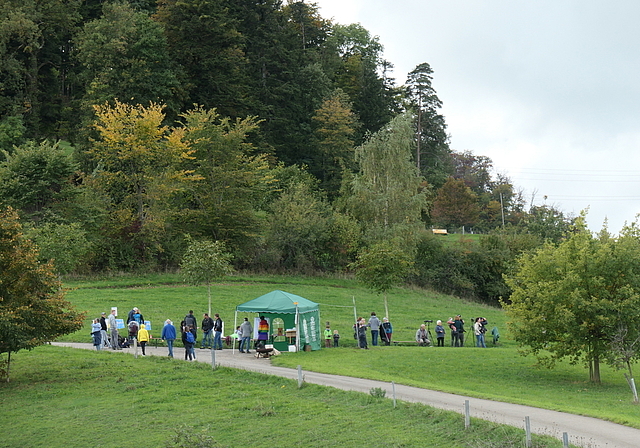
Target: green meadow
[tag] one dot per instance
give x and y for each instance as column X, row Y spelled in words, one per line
column 156, row 395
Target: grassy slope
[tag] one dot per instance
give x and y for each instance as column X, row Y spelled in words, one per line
column 495, row 373
column 69, row 398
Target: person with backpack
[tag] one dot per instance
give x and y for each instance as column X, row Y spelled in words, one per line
column 190, row 321
column 188, row 340
column 386, row 331
column 459, row 324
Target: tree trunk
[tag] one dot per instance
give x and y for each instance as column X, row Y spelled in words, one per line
column 386, row 307
column 8, row 365
column 594, row 369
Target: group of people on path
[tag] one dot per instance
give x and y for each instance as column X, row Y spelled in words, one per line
column 211, row 329
column 244, row 333
column 105, row 332
column 99, row 328
column 211, row 334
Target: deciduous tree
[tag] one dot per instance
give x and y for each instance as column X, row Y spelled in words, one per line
column 141, row 169
column 335, row 136
column 33, row 308
column 387, row 194
column 124, row 56
column 382, row 266
column 569, row 300
column 455, row 205
column 36, row 178
column 206, row 261
column 224, row 202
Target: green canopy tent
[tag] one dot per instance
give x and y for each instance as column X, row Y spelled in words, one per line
column 286, row 312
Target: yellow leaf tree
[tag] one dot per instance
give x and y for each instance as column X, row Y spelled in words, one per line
column 139, row 160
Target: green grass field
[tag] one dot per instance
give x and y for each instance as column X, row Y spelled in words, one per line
column 468, row 370
column 497, row 373
column 66, row 398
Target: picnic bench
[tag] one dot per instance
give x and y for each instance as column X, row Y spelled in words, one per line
column 403, row 342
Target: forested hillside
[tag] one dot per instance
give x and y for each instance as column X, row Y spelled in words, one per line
column 126, row 126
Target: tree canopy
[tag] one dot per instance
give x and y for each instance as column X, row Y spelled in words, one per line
column 569, row 300
column 33, row 308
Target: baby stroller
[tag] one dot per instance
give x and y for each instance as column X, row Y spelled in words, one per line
column 133, row 331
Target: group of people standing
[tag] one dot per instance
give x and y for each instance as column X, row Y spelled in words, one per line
column 379, row 330
column 211, row 329
column 245, row 331
column 99, row 328
column 211, row 334
column 457, row 331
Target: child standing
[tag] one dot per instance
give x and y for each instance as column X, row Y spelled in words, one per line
column 143, row 338
column 336, row 338
column 327, row 336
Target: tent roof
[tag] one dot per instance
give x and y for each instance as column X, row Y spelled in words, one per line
column 278, row 302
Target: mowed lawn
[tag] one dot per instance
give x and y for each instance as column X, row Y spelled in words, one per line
column 67, row 398
column 498, row 373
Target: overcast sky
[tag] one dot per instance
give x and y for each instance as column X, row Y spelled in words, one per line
column 549, row 90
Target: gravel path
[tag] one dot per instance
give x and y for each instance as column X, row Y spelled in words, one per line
column 582, row 431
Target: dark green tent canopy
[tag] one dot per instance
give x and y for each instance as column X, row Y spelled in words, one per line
column 278, row 302
column 291, row 311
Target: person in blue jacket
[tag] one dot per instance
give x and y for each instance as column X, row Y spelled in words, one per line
column 387, row 331
column 169, row 335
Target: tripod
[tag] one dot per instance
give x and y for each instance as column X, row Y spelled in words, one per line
column 429, row 332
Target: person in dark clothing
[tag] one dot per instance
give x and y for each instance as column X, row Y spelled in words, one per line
column 207, row 329
column 217, row 333
column 361, row 331
column 190, row 321
column 459, row 324
column 136, row 315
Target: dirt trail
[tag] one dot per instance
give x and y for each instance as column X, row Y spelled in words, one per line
column 582, row 431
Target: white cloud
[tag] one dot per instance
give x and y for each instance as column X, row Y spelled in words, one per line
column 546, row 89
